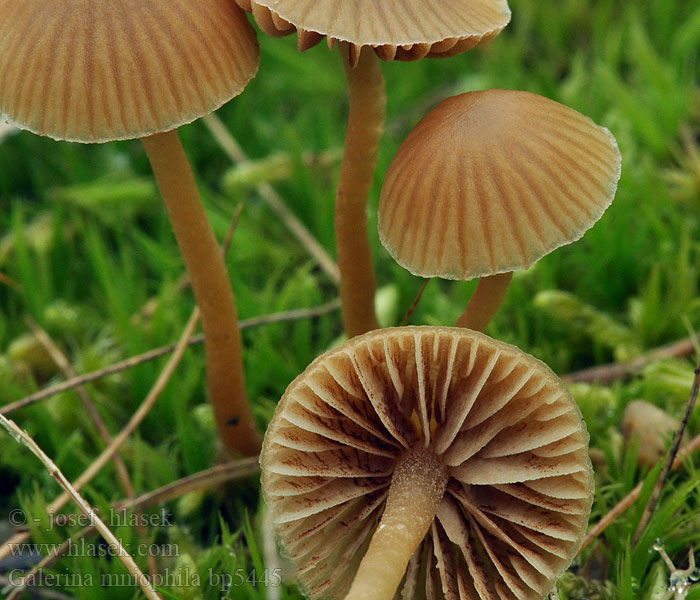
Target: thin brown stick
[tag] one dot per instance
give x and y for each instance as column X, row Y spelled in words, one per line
column 62, row 363
column 135, row 420
column 39, row 592
column 409, row 313
column 292, row 315
column 267, row 193
column 622, row 371
column 9, row 282
column 51, row 558
column 139, row 576
column 201, row 480
column 278, row 166
column 150, row 306
column 670, row 457
column 611, row 516
column 228, row 238
column 129, row 363
column 117, row 367
column 688, row 450
column 140, row 413
column 197, row 481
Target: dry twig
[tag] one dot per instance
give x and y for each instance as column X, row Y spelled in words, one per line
column 9, row 282
column 632, row 496
column 202, row 480
column 122, row 473
column 39, row 592
column 409, row 313
column 139, row 576
column 135, row 420
column 147, row 310
column 128, row 363
column 621, row 371
column 28, row 579
column 670, row 457
column 62, row 363
column 208, row 478
column 231, row 147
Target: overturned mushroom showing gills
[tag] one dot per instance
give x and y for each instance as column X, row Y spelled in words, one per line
column 365, row 30
column 488, row 183
column 99, row 71
column 430, row 460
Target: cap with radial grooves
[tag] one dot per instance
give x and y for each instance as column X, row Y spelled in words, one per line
column 95, row 71
column 401, row 29
column 489, row 182
column 520, row 488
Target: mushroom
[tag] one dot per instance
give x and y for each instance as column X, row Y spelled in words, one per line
column 391, row 29
column 433, row 460
column 651, row 429
column 99, row 71
column 489, row 182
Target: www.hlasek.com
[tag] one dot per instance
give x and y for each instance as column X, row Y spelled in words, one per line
column 84, row 548
column 182, row 577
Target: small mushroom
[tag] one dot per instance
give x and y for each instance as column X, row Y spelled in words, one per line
column 489, row 182
column 367, row 29
column 96, row 71
column 432, row 460
column 652, row 428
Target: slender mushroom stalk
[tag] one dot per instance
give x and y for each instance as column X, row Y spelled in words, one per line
column 365, row 127
column 417, row 486
column 207, row 271
column 391, row 30
column 485, row 301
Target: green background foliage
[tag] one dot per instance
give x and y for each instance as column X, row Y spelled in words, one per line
column 85, row 243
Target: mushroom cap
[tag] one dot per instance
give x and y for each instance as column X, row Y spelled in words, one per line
column 652, row 428
column 95, row 71
column 489, row 182
column 520, row 488
column 401, row 29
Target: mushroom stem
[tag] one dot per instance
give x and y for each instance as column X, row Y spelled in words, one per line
column 485, row 300
column 365, row 126
column 212, row 290
column 417, row 486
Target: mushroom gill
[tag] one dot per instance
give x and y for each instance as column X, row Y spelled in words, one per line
column 486, row 430
column 395, row 29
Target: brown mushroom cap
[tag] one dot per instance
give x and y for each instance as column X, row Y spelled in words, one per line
column 94, row 71
column 520, row 483
column 489, row 182
column 651, row 428
column 401, row 29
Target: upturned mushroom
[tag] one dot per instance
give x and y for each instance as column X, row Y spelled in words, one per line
column 367, row 29
column 96, row 71
column 431, row 460
column 488, row 183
